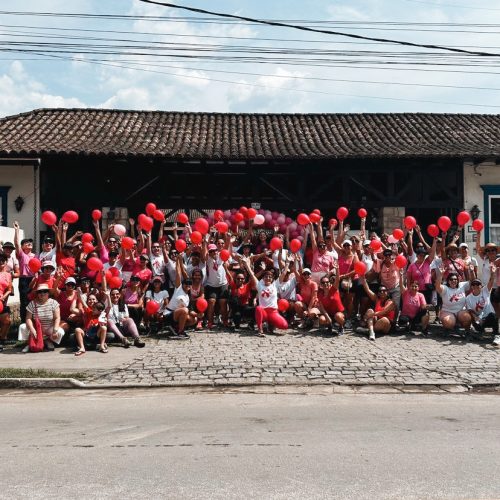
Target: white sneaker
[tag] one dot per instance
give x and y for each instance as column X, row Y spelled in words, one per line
column 372, row 335
column 496, row 340
column 26, row 348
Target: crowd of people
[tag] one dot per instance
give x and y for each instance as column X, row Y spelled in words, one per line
column 244, row 270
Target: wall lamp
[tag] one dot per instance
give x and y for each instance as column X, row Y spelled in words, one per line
column 19, row 203
column 474, row 212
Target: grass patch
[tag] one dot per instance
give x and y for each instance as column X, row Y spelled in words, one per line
column 37, row 373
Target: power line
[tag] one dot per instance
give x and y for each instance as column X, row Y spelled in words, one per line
column 315, row 30
column 453, row 5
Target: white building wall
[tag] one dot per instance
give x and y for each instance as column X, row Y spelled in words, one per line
column 486, row 173
column 22, row 182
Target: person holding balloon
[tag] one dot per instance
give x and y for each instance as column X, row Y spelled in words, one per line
column 419, row 271
column 330, row 304
column 68, row 299
column 24, row 254
column 322, row 261
column 158, row 296
column 287, row 283
column 388, row 270
column 267, row 298
column 414, row 310
column 347, row 261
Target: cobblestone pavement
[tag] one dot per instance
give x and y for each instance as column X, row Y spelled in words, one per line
column 210, row 358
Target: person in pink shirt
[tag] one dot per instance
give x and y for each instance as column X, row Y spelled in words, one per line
column 414, row 310
column 389, row 276
column 322, row 261
column 24, row 254
column 420, row 271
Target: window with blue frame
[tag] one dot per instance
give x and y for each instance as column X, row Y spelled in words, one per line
column 491, row 213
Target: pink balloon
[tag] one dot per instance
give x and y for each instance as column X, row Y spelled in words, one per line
column 281, row 219
column 119, row 230
column 268, row 217
column 259, row 219
column 293, row 226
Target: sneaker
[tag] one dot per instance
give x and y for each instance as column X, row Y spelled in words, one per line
column 142, row 327
column 341, row 330
column 171, row 332
column 199, row 325
column 210, row 326
column 302, row 325
column 372, row 335
column 26, row 348
column 183, row 336
column 496, row 340
column 125, row 343
column 139, row 343
column 49, row 345
column 348, row 324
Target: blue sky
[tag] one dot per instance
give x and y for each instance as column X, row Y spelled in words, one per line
column 328, row 74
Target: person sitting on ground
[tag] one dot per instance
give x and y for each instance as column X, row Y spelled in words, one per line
column 287, row 284
column 94, row 325
column 156, row 294
column 46, row 310
column 330, row 303
column 382, row 317
column 479, row 305
column 453, row 294
column 414, row 312
column 132, row 296
column 68, row 303
column 119, row 321
column 267, row 296
column 177, row 311
column 307, row 307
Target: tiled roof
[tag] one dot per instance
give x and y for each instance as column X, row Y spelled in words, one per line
column 218, row 136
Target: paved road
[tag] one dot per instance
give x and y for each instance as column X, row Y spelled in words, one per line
column 222, row 358
column 159, row 444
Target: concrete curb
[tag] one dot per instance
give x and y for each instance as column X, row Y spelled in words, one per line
column 41, row 383
column 282, row 387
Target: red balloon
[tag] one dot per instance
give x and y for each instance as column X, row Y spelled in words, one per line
column 303, row 219
column 222, row 227
column 94, row 264
column 145, row 222
column 283, row 305
column 152, row 307
column 88, row 247
column 462, row 218
column 275, row 244
column 201, row 225
column 314, row 217
column 114, row 271
column 201, row 305
column 400, row 261
column 196, row 237
column 180, row 245
column 251, row 213
column 158, row 215
column 360, row 267
column 295, row 245
column 1, row 307
column 238, row 217
column 127, row 243
column 410, row 222
column 96, row 214
column 182, row 218
column 87, row 238
column 342, row 213
column 49, row 218
column 150, row 209
column 478, row 225
column 244, row 211
column 332, row 222
column 108, row 274
column 444, row 223
column 224, row 255
column 317, row 211
column 433, row 230
column 114, row 281
column 34, row 264
column 218, row 215
column 362, row 213
column 398, row 234
column 376, row 245
column 70, row 217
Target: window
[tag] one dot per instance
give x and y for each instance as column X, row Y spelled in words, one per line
column 494, row 213
column 4, row 221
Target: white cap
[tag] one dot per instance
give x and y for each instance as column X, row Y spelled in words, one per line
column 306, row 270
column 70, row 280
column 347, row 242
column 463, row 245
column 366, row 242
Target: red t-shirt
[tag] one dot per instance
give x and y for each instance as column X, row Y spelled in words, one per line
column 68, row 265
column 241, row 293
column 331, row 301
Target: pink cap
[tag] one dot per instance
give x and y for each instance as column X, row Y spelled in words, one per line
column 212, row 247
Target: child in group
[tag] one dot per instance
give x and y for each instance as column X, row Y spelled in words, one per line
column 94, row 325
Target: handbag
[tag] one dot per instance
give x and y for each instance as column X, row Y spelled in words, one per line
column 36, row 344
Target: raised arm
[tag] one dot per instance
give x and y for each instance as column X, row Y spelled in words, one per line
column 17, row 243
column 98, row 235
column 401, row 282
column 248, row 267
column 371, row 295
column 314, row 243
column 421, row 238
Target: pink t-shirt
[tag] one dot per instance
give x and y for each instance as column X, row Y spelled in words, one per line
column 389, row 275
column 23, row 259
column 412, row 303
column 322, row 262
column 419, row 272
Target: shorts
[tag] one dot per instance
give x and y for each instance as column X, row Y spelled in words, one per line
column 217, row 292
column 91, row 333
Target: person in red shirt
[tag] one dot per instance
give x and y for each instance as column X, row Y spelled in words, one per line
column 142, row 269
column 381, row 318
column 66, row 261
column 46, row 277
column 307, row 307
column 94, row 325
column 330, row 304
column 240, row 301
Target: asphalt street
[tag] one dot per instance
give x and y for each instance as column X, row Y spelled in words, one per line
column 160, row 443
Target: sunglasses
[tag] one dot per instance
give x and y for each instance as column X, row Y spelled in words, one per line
column 325, row 283
column 382, row 291
column 491, row 250
column 39, row 292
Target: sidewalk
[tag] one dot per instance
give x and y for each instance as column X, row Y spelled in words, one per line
column 215, row 358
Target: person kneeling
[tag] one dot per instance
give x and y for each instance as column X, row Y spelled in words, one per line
column 94, row 321
column 330, row 304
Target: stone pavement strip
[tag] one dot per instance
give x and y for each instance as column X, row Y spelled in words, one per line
column 218, row 359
